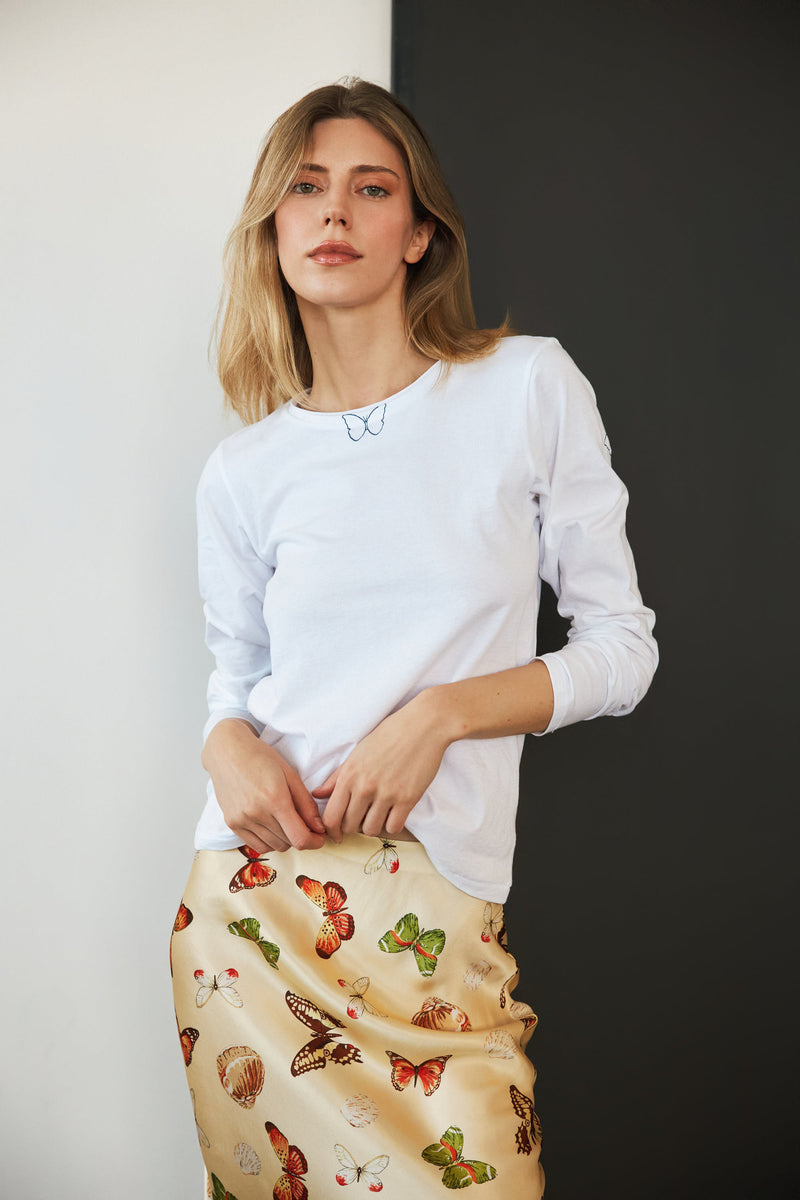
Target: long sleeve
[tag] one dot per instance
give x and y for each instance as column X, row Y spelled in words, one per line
column 611, row 656
column 233, row 580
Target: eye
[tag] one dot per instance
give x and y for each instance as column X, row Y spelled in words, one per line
column 375, row 191
column 304, row 188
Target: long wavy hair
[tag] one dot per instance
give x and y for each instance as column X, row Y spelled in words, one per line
column 263, row 358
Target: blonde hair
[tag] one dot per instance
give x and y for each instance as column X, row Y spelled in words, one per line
column 263, row 357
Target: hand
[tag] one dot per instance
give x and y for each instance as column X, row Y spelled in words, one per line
column 379, row 783
column 262, row 797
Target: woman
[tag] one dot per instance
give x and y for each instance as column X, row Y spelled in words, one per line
column 371, row 548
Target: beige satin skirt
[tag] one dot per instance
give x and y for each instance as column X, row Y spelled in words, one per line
column 346, row 1018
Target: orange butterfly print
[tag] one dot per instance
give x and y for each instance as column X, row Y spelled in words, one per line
column 185, row 917
column 255, row 873
column 290, row 1185
column 529, row 1133
column 322, row 1047
column 429, row 1073
column 188, row 1038
column 338, row 925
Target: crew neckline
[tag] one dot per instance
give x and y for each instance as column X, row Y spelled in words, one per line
column 335, row 418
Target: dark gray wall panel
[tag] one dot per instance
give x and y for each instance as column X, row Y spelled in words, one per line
column 628, row 176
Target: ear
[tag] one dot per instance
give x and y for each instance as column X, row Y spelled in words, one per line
column 420, row 241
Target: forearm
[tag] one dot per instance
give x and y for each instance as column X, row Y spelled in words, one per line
column 224, row 739
column 518, row 700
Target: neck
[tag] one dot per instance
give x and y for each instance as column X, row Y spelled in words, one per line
column 359, row 357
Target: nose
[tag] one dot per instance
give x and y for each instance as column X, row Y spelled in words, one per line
column 337, row 212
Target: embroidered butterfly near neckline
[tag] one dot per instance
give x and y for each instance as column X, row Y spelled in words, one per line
column 357, row 426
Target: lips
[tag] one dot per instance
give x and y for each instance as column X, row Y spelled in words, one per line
column 334, row 253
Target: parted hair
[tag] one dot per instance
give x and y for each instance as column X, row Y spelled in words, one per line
column 263, row 358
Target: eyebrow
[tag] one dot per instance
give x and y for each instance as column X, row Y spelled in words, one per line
column 361, row 169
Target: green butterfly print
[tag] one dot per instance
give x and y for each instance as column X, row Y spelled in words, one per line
column 219, row 1191
column 250, row 929
column 459, row 1172
column 406, row 936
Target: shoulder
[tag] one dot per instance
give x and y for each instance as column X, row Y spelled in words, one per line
column 244, row 452
column 516, row 359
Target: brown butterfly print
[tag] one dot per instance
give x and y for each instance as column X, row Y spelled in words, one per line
column 322, row 1047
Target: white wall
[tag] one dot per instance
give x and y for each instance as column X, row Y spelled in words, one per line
column 132, row 131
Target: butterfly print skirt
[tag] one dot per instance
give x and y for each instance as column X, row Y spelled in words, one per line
column 346, row 1019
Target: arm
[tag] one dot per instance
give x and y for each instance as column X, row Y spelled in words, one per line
column 261, row 796
column 393, row 766
column 610, row 657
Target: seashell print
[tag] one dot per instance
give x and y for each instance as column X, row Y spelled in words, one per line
column 475, row 973
column 441, row 1014
column 359, row 1110
column 248, row 1160
column 241, row 1073
column 499, row 1044
column 520, row 1011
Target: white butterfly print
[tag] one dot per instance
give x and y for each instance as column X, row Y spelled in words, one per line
column 201, row 1137
column 386, row 857
column 357, row 426
column 222, row 983
column 350, row 1173
column 356, row 1004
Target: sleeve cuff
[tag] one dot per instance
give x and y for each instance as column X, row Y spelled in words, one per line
column 223, row 714
column 563, row 691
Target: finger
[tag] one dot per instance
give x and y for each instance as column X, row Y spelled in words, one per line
column 305, row 804
column 375, row 820
column 396, row 819
column 357, row 810
column 295, row 829
column 262, row 840
column 334, row 812
column 325, row 789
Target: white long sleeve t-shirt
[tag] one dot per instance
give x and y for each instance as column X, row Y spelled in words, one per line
column 347, row 561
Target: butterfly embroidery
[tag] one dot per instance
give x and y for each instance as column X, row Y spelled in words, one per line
column 250, row 929
column 357, row 426
column 350, row 1173
column 219, row 1191
column 406, row 936
column 357, row 1005
column 386, row 857
column 325, row 1027
column 338, row 926
column 429, row 1072
column 256, row 872
column 188, row 1038
column 222, row 983
column 529, row 1133
column 459, row 1172
column 290, row 1185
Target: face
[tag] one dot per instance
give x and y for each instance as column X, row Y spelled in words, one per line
column 346, row 231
